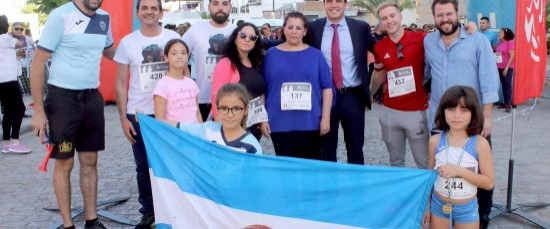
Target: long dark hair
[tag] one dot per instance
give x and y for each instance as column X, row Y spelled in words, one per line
column 452, row 98
column 232, row 53
column 4, row 25
column 508, row 34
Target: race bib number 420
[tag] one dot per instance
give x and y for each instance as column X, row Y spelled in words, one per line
column 150, row 74
column 296, row 96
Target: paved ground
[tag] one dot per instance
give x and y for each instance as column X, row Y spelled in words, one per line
column 24, row 191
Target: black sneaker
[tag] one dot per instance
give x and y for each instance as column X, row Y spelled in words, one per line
column 147, row 222
column 95, row 225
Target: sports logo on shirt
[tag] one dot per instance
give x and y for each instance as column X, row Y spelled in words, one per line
column 102, row 25
column 387, row 56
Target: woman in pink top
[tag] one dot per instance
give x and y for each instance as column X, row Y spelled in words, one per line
column 175, row 95
column 241, row 63
column 504, row 54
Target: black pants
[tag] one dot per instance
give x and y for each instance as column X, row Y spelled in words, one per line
column 349, row 111
column 301, row 144
column 14, row 109
column 205, row 108
column 506, row 81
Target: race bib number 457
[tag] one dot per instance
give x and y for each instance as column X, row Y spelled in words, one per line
column 296, row 96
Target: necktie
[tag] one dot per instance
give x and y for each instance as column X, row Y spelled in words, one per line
column 337, row 77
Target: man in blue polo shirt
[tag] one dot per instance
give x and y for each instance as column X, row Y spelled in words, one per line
column 75, row 36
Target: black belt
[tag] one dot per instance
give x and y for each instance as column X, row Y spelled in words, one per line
column 348, row 89
column 73, row 91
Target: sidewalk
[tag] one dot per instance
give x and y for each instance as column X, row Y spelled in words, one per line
column 24, row 191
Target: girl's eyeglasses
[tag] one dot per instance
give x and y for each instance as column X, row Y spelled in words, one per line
column 224, row 110
column 252, row 37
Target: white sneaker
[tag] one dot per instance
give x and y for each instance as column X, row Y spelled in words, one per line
column 6, row 148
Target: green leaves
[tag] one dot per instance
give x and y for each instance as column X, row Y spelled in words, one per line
column 370, row 5
column 42, row 7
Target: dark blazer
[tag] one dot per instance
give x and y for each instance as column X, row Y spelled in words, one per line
column 362, row 42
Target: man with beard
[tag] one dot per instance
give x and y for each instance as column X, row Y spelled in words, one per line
column 455, row 58
column 77, row 34
column 204, row 44
column 131, row 55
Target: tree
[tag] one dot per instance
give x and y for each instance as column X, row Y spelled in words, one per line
column 42, row 7
column 370, row 5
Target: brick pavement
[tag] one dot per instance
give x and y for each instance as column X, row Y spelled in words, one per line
column 24, row 191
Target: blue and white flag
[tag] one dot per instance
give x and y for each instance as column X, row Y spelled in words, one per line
column 199, row 184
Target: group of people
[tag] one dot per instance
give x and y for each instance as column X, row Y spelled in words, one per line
column 297, row 92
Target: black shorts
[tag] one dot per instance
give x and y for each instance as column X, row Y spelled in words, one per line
column 76, row 121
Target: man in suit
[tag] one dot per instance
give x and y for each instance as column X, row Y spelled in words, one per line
column 351, row 40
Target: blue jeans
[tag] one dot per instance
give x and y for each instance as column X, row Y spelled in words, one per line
column 145, row 197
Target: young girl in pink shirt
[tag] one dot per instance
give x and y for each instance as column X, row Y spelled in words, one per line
column 175, row 95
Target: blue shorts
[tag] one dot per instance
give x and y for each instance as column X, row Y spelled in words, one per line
column 461, row 214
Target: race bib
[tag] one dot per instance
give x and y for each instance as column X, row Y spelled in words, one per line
column 296, row 96
column 150, row 74
column 460, row 188
column 498, row 57
column 256, row 112
column 401, row 82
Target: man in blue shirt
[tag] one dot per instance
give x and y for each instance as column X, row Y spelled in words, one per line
column 455, row 58
column 484, row 24
column 75, row 37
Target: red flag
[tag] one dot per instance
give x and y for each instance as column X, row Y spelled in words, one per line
column 530, row 66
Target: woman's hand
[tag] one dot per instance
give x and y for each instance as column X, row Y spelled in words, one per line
column 266, row 129
column 325, row 126
column 449, row 171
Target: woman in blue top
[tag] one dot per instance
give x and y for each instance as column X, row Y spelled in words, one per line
column 299, row 93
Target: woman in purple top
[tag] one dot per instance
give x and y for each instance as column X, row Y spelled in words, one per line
column 504, row 54
column 299, row 93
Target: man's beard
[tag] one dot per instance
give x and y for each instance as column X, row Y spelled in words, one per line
column 219, row 17
column 92, row 7
column 455, row 26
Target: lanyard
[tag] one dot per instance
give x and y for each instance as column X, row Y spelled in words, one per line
column 447, row 159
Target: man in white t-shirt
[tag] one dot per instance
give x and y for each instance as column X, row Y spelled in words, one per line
column 142, row 53
column 206, row 42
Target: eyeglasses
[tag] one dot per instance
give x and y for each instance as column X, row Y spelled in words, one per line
column 224, row 110
column 400, row 51
column 252, row 37
column 19, row 29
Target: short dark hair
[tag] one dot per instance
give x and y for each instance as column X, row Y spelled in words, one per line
column 4, row 25
column 452, row 98
column 442, row 2
column 158, row 1
column 508, row 33
column 267, row 24
column 294, row 14
column 485, row 18
column 232, row 53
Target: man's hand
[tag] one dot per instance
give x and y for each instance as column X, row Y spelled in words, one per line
column 128, row 129
column 39, row 124
column 471, row 27
column 487, row 125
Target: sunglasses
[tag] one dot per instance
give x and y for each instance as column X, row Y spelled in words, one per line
column 19, row 29
column 252, row 37
column 400, row 51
